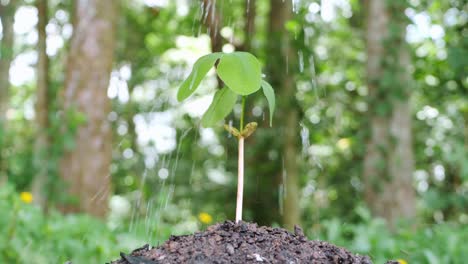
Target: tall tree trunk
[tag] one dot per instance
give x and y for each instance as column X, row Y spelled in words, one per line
column 7, row 14
column 86, row 167
column 249, row 27
column 388, row 164
column 213, row 21
column 283, row 81
column 41, row 155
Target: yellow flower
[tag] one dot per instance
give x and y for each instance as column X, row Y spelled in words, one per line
column 402, row 261
column 26, row 197
column 343, row 143
column 205, row 218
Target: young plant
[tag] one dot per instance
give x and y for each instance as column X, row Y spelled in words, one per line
column 242, row 76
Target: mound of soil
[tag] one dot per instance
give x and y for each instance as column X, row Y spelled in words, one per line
column 229, row 242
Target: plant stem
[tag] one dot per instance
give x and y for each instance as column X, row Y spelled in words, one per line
column 240, row 167
column 241, row 127
column 240, row 180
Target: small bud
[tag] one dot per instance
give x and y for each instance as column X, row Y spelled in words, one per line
column 249, row 129
column 232, row 130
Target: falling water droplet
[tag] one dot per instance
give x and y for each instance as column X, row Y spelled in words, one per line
column 230, row 126
column 282, row 188
column 295, row 6
column 148, row 213
column 304, row 139
column 280, row 198
column 169, row 195
column 191, row 172
column 197, row 134
column 212, row 11
column 301, row 60
column 176, row 163
column 313, row 76
column 206, row 11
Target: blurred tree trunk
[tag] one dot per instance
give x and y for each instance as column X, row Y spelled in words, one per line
column 86, row 168
column 212, row 19
column 249, row 27
column 41, row 155
column 287, row 121
column 7, row 14
column 388, row 164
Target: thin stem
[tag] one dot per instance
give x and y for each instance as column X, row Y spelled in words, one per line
column 242, row 115
column 240, row 167
column 240, row 180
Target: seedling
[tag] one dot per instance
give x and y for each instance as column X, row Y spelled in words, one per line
column 242, row 76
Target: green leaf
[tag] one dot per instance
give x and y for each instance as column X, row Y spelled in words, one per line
column 270, row 96
column 200, row 69
column 241, row 72
column 223, row 102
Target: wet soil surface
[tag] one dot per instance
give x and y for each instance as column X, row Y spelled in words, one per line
column 242, row 243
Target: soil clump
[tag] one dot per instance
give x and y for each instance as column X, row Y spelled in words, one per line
column 243, row 242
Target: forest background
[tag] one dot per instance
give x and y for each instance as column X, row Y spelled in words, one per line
column 368, row 148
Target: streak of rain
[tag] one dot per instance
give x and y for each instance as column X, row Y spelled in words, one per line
column 301, row 60
column 295, row 6
column 313, row 77
column 230, row 126
column 282, row 187
column 304, row 139
column 197, row 135
column 179, row 145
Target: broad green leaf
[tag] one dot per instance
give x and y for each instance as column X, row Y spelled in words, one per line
column 200, row 69
column 240, row 71
column 223, row 102
column 270, row 96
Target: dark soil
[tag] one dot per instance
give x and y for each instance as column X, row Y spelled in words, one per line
column 242, row 243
